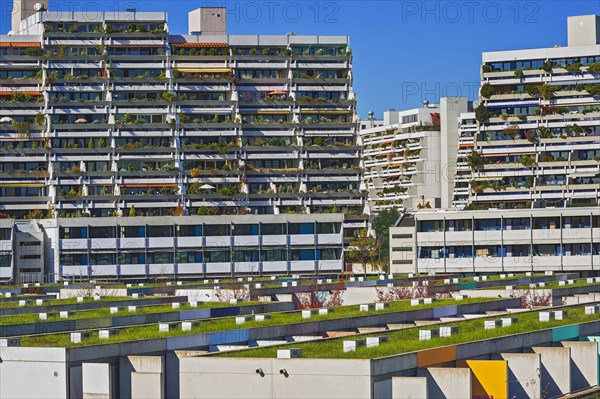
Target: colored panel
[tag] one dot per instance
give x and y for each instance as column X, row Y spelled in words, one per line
column 228, row 337
column 436, row 356
column 565, row 332
column 445, row 311
column 468, row 286
column 223, row 312
column 489, row 378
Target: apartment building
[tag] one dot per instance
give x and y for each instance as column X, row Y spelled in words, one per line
column 495, row 241
column 534, row 140
column 406, row 158
column 113, row 115
column 170, row 247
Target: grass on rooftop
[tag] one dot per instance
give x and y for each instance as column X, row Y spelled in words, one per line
column 407, row 340
column 150, row 331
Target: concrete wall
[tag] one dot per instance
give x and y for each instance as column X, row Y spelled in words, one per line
column 33, row 373
column 274, row 378
column 447, row 383
column 555, row 370
column 584, row 364
column 409, row 388
column 524, row 374
column 147, row 377
column 98, row 381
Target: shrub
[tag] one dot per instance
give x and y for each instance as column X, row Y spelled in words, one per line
column 487, row 90
column 594, row 68
column 574, row 67
column 519, row 73
column 482, row 114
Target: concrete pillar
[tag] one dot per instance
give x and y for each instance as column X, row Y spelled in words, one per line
column 584, row 364
column 447, row 383
column 409, row 388
column 97, row 380
column 147, row 377
column 524, row 375
column 556, row 370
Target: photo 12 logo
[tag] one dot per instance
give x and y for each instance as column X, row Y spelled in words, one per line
column 454, row 12
column 274, row 11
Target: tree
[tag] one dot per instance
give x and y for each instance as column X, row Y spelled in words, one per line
column 475, row 161
column 90, row 143
column 381, row 226
column 482, row 114
column 132, row 211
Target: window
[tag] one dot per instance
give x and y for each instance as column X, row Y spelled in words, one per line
column 103, row 232
column 132, row 258
column 159, row 231
column 518, row 250
column 546, row 223
column 133, row 231
column 489, row 251
column 274, row 255
column 431, row 253
column 430, row 226
column 577, row 222
column 302, row 228
column 73, row 232
column 160, row 258
column 5, row 260
column 302, row 254
column 517, row 224
column 487, row 224
column 459, row 225
column 245, row 229
column 400, row 236
column 189, row 231
column 31, row 257
column 73, row 259
column 217, row 256
column 248, row 255
column 402, row 262
column 272, row 229
column 5, row 234
column 328, row 228
column 217, row 230
column 329, row 254
column 188, row 257
column 465, row 251
column 30, row 244
column 548, row 250
column 103, row 258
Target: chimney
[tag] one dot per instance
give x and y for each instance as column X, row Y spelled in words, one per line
column 209, row 21
column 23, row 9
column 583, row 30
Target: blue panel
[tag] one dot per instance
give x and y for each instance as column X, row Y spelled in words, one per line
column 222, row 312
column 228, row 337
column 468, row 286
column 565, row 332
column 194, row 314
column 445, row 311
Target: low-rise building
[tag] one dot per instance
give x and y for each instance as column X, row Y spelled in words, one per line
column 496, row 241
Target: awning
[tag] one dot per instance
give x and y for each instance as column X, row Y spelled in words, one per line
column 30, row 93
column 22, row 184
column 204, row 70
column 325, row 111
column 149, row 185
column 20, row 44
column 487, row 178
column 467, row 145
column 272, row 113
column 23, row 139
column 200, row 44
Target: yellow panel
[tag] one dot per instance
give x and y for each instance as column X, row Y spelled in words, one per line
column 325, row 111
column 22, row 184
column 273, row 112
column 489, row 378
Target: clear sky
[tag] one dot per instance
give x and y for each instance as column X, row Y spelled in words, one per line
column 404, row 51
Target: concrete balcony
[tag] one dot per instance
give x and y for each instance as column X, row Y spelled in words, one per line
column 218, row 268
column 516, row 236
column 302, row 265
column 6, row 273
column 546, row 263
column 546, row 235
column 190, row 268
column 75, row 271
column 329, row 239
column 246, row 241
column 132, row 243
column 103, row 243
column 275, row 240
column 517, row 263
column 577, row 262
column 132, row 270
column 246, row 267
column 576, row 235
column 217, row 241
column 330, row 265
column 431, row 237
column 104, row 270
column 274, row 267
column 74, row 244
column 188, row 242
column 161, row 242
column 161, row 269
column 438, row 265
column 459, row 237
column 302, row 239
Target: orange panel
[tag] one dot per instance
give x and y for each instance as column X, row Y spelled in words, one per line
column 431, row 357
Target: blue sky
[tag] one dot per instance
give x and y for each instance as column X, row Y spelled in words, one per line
column 404, row 51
